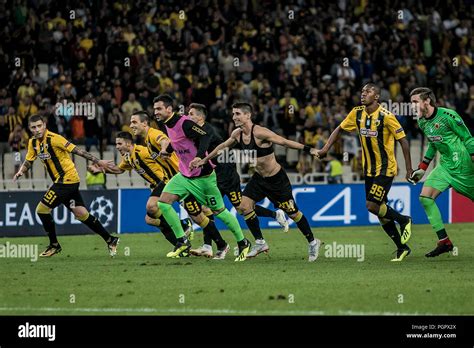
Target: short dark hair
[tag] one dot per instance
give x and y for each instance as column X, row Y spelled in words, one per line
column 374, row 86
column 424, row 93
column 246, row 107
column 142, row 115
column 35, row 118
column 124, row 135
column 165, row 98
column 199, row 107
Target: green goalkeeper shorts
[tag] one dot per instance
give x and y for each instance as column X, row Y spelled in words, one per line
column 204, row 189
column 441, row 179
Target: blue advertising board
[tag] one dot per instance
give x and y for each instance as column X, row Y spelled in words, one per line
column 323, row 205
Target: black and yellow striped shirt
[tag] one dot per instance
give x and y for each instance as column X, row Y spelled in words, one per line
column 53, row 150
column 152, row 140
column 377, row 132
column 140, row 160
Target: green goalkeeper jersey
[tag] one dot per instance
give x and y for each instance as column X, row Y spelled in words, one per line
column 447, row 133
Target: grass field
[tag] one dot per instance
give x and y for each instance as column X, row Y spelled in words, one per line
column 283, row 283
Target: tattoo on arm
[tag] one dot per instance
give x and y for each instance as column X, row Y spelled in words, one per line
column 26, row 165
column 85, row 154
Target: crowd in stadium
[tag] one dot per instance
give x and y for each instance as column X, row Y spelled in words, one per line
column 301, row 65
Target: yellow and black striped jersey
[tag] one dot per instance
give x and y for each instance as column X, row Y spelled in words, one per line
column 53, row 150
column 140, row 160
column 152, row 140
column 377, row 132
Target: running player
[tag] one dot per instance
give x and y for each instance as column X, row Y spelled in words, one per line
column 270, row 179
column 136, row 157
column 156, row 142
column 190, row 142
column 228, row 180
column 378, row 128
column 446, row 133
column 54, row 150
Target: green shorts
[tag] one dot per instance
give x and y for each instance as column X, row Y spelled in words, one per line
column 441, row 179
column 204, row 189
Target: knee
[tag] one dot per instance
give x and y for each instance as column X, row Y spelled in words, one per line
column 372, row 207
column 80, row 213
column 198, row 219
column 151, row 209
column 42, row 209
column 244, row 208
column 425, row 201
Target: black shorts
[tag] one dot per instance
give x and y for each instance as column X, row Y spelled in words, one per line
column 229, row 185
column 377, row 187
column 67, row 194
column 156, row 192
column 192, row 206
column 277, row 188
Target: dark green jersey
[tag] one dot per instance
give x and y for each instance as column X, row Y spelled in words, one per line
column 447, row 133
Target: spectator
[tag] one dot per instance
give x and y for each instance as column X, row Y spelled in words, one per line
column 95, row 179
column 334, row 170
column 130, row 106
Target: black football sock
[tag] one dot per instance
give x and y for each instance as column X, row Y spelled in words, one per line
column 94, row 224
column 49, row 226
column 389, row 213
column 303, row 226
column 264, row 212
column 211, row 233
column 442, row 234
column 253, row 224
column 391, row 230
column 167, row 231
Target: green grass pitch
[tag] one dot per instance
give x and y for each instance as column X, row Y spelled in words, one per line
column 84, row 280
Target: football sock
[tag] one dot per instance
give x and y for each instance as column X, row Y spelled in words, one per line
column 94, row 224
column 253, row 224
column 172, row 218
column 434, row 216
column 231, row 221
column 442, row 234
column 167, row 232
column 207, row 239
column 49, row 226
column 264, row 212
column 389, row 213
column 391, row 230
column 212, row 234
column 303, row 226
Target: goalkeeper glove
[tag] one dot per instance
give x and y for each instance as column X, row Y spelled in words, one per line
column 418, row 174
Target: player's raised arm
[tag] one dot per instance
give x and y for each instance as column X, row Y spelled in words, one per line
column 23, row 169
column 30, row 158
column 228, row 143
column 349, row 124
column 111, row 168
column 406, row 155
column 88, row 156
column 423, row 166
column 331, row 140
column 270, row 136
